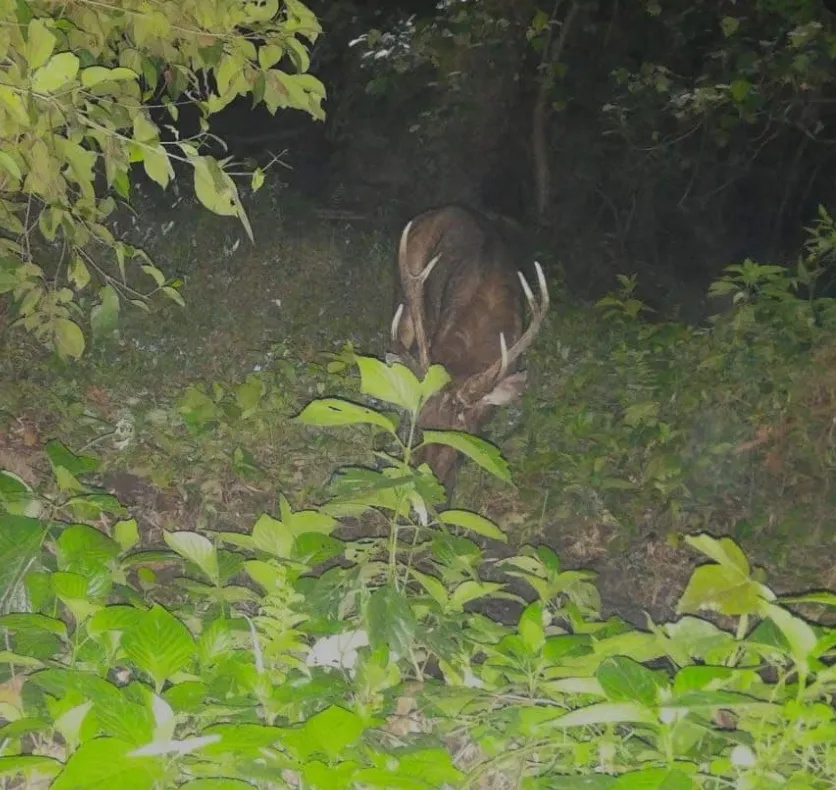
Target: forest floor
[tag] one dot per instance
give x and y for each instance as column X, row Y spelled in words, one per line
column 161, row 407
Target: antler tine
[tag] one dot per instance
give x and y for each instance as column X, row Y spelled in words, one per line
column 414, row 287
column 396, row 320
column 480, row 383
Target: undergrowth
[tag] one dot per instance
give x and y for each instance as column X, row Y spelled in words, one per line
column 234, row 635
column 285, row 656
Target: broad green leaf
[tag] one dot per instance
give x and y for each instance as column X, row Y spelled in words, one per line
column 39, row 43
column 471, row 590
column 17, row 498
column 272, row 536
column 216, row 784
column 126, row 533
column 625, row 680
column 487, row 455
column 113, row 618
column 214, row 188
column 57, row 72
column 197, row 549
column 106, row 764
column 60, row 455
column 68, row 338
column 722, row 589
column 78, row 273
column 157, row 164
column 93, row 75
column 799, row 635
column 32, row 622
column 723, row 551
column 331, row 731
column 391, row 383
column 432, row 585
column 473, row 522
column 83, row 549
column 335, row 411
column 437, row 379
column 158, row 644
column 8, row 163
column 390, row 621
column 531, row 628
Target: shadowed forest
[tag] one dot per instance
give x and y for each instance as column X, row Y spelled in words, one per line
column 227, row 566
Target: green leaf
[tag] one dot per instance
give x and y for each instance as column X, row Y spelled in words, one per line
column 58, row 71
column 730, row 25
column 606, row 713
column 473, row 522
column 39, row 43
column 391, row 383
column 390, row 621
column 157, row 164
column 30, row 766
column 60, row 456
column 17, row 497
column 78, row 273
column 437, row 379
column 487, row 455
column 335, row 411
column 106, row 764
column 93, row 75
column 197, row 549
column 722, row 589
column 104, row 317
column 113, row 618
column 654, row 779
column 214, row 188
column 799, row 635
column 332, row 731
column 432, row 585
column 159, row 644
column 30, row 622
column 272, row 536
column 68, row 338
column 126, row 534
column 216, row 784
column 84, row 550
column 625, row 680
column 740, row 89
column 8, row 163
column 173, row 294
column 531, row 629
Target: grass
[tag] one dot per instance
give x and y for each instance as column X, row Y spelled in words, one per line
column 630, row 435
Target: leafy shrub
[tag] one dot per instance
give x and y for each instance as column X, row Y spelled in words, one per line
column 80, row 82
column 649, row 424
column 285, row 656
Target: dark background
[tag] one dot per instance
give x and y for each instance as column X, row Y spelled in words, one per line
column 435, row 103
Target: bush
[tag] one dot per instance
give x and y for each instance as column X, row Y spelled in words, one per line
column 79, row 87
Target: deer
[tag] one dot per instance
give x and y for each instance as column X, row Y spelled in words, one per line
column 459, row 299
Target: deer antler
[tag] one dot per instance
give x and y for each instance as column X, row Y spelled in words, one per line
column 482, row 383
column 413, row 285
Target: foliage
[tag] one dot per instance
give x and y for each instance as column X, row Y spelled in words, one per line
column 646, row 425
column 88, row 91
column 285, row 656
